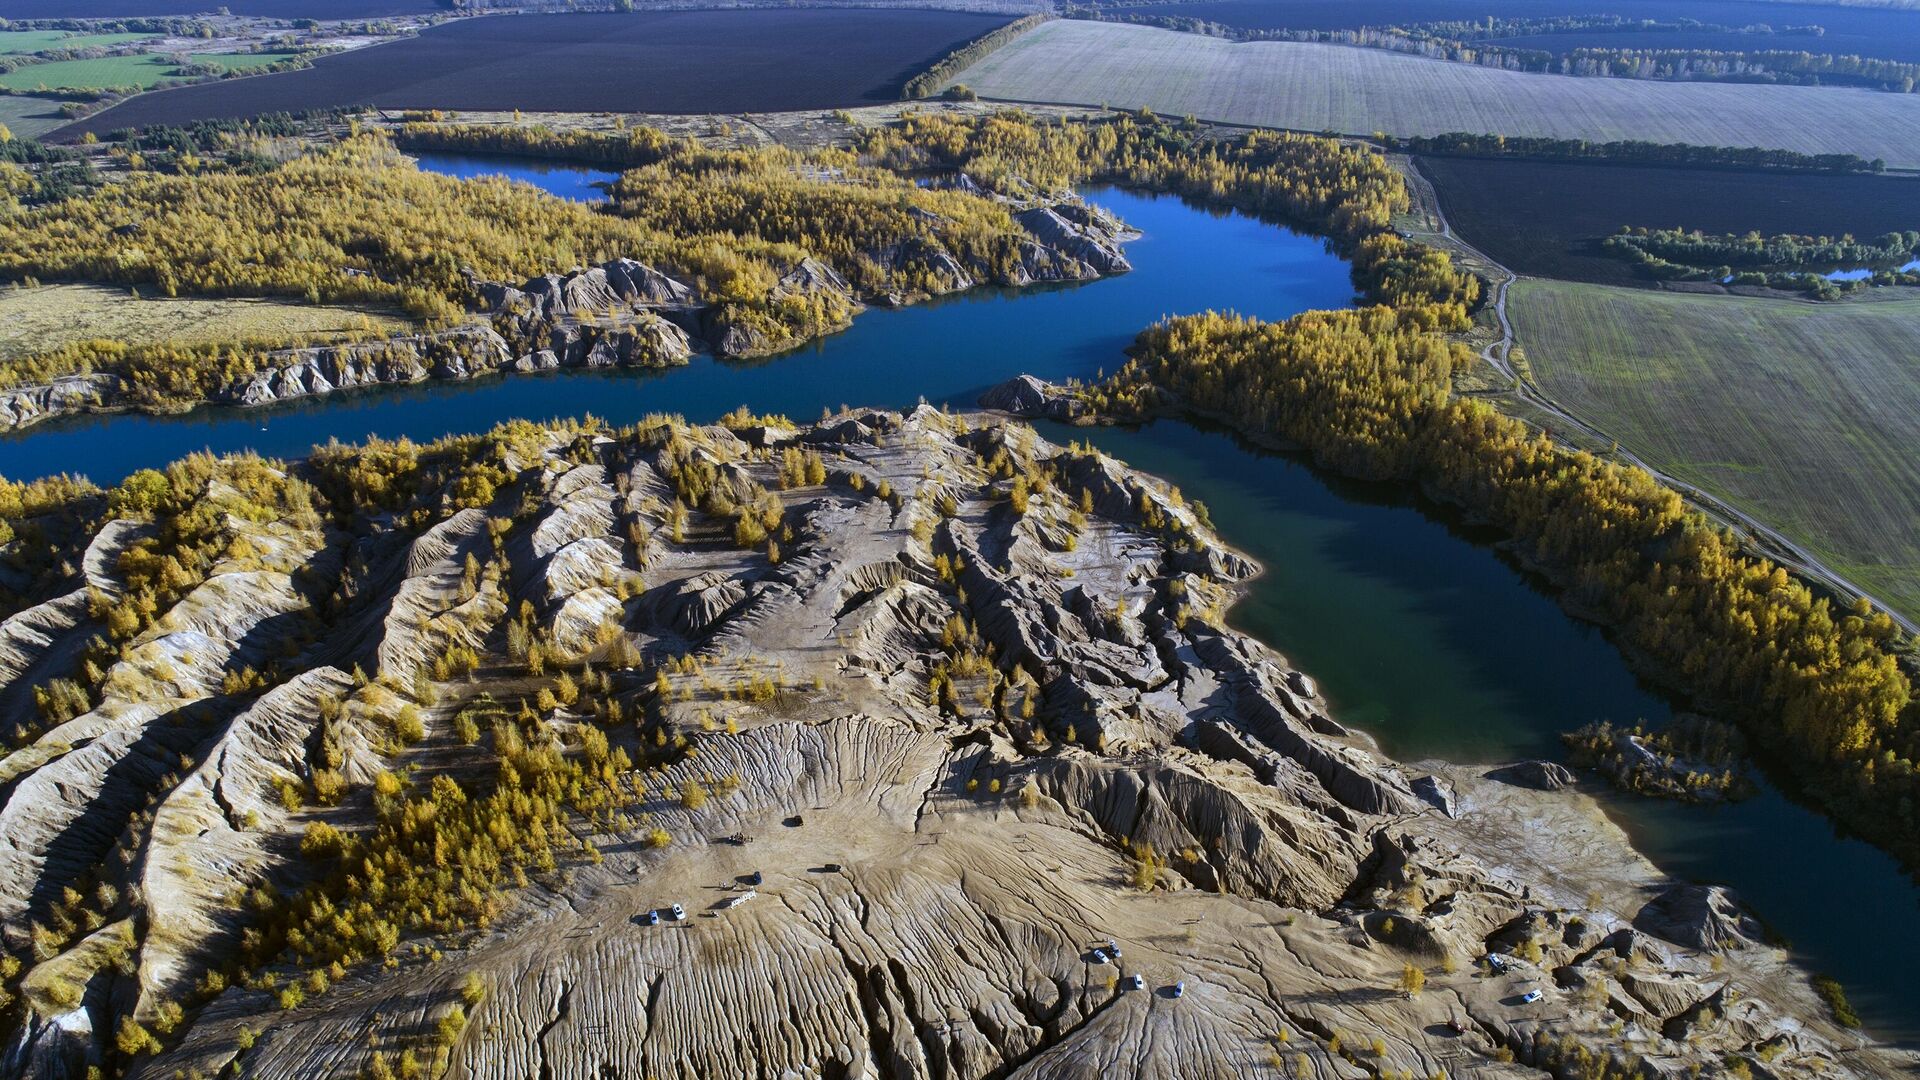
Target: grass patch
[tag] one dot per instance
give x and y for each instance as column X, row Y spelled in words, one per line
column 1311, row 87
column 1835, row 996
column 15, row 42
column 240, row 61
column 35, row 320
column 30, row 117
column 1804, row 415
column 144, row 71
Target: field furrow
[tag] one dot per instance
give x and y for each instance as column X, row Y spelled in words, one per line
column 1309, row 87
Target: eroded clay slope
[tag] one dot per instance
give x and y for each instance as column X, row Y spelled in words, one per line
column 933, row 730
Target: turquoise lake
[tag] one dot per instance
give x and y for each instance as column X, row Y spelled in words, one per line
column 1417, row 630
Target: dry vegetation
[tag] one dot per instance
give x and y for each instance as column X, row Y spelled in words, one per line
column 1310, row 87
column 39, row 319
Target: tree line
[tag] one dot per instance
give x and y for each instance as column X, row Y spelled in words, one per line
column 1792, row 67
column 1784, row 261
column 1624, row 151
column 623, row 147
column 928, row 82
column 1778, row 252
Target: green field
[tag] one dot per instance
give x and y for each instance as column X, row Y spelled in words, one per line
column 1358, row 91
column 144, row 71
column 1804, row 415
column 31, row 41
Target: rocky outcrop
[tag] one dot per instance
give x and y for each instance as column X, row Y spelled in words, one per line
column 24, row 405
column 954, row 745
column 1538, row 775
column 1071, row 241
column 595, row 291
column 51, row 1048
column 1699, row 917
column 459, row 353
column 603, row 316
column 1024, row 395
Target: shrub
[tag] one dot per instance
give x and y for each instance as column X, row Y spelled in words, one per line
column 322, row 841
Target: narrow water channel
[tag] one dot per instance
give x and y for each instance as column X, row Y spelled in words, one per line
column 1419, row 632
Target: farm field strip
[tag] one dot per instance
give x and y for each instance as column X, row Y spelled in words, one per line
column 1803, row 415
column 664, row 61
column 146, row 70
column 13, row 42
column 1360, row 91
column 30, row 117
column 1888, row 33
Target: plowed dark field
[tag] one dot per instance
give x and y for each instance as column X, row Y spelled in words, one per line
column 673, row 62
column 1543, row 218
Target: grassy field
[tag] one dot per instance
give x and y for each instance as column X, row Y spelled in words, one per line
column 1361, row 91
column 36, row 319
column 239, row 61
column 1875, row 31
column 1806, row 416
column 30, row 117
column 32, row 41
column 143, row 71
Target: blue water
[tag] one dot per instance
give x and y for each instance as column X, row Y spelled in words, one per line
column 1416, row 629
column 1862, row 273
column 945, row 351
column 1858, row 273
column 581, row 182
